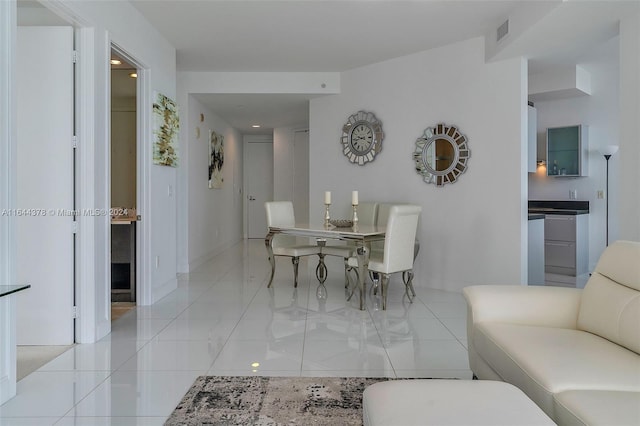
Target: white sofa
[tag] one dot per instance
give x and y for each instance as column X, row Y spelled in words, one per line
column 575, row 353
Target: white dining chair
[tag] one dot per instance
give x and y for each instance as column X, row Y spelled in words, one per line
column 398, row 252
column 280, row 213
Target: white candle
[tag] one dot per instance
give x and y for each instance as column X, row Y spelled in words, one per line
column 354, row 198
column 327, row 197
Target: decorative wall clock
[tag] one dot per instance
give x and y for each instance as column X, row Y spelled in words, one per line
column 362, row 137
column 441, row 154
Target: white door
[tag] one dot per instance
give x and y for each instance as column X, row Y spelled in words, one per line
column 259, row 166
column 44, row 94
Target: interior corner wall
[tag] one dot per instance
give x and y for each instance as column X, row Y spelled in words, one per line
column 600, row 111
column 629, row 154
column 470, row 231
column 214, row 215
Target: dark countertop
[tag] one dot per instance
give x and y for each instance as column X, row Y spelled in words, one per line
column 534, row 216
column 6, row 290
column 573, row 207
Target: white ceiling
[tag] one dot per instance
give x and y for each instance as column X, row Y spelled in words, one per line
column 335, row 36
column 338, row 35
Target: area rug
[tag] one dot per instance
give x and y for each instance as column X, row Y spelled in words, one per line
column 272, row 401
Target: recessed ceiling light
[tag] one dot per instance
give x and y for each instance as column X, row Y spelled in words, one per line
column 133, row 75
column 116, row 62
column 255, row 126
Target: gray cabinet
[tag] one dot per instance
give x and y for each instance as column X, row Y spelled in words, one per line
column 566, row 247
column 567, row 151
column 536, row 252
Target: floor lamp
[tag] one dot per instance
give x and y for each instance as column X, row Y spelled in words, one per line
column 608, row 151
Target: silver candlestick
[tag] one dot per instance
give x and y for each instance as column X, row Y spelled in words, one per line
column 326, row 215
column 355, row 215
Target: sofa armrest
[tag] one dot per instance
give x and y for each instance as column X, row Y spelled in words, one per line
column 539, row 306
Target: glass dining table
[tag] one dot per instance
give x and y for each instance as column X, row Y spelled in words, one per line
column 360, row 235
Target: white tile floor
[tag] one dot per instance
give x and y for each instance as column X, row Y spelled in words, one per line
column 223, row 320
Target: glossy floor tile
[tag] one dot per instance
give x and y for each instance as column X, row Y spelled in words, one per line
column 223, row 320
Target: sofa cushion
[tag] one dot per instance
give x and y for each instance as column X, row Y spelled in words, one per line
column 545, row 360
column 597, row 408
column 610, row 305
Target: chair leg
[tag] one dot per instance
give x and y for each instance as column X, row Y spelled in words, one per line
column 295, row 261
column 407, row 277
column 273, row 270
column 355, row 284
column 346, row 272
column 384, row 286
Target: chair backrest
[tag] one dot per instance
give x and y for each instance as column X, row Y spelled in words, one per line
column 367, row 213
column 383, row 213
column 280, row 213
column 383, row 217
column 400, row 238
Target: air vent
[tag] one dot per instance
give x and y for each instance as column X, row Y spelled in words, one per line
column 503, row 30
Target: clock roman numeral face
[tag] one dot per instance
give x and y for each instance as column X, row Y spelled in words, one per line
column 362, row 137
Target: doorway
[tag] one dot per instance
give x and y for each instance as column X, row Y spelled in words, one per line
column 123, row 184
column 259, row 182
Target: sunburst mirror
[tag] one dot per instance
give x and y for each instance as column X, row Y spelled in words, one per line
column 441, row 154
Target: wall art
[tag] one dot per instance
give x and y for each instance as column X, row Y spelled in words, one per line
column 216, row 159
column 166, row 125
column 441, row 154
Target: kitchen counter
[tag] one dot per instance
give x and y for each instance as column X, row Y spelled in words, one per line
column 558, row 207
column 6, row 290
column 534, row 216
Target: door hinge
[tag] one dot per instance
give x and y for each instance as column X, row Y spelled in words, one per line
column 74, row 227
column 74, row 312
column 74, row 141
column 74, row 56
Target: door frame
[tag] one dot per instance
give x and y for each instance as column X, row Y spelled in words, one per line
column 143, row 160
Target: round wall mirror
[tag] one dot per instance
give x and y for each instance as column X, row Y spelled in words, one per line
column 441, row 154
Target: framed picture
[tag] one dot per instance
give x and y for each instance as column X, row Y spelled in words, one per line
column 216, row 159
column 166, row 125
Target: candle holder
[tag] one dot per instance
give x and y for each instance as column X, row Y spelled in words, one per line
column 327, row 217
column 355, row 215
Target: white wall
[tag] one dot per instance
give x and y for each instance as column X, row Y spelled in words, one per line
column 473, row 231
column 283, row 159
column 214, row 215
column 629, row 155
column 600, row 112
column 291, row 169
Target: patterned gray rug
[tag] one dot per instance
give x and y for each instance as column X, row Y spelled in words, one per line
column 272, row 401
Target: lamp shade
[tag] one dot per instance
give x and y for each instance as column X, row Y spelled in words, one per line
column 609, row 150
